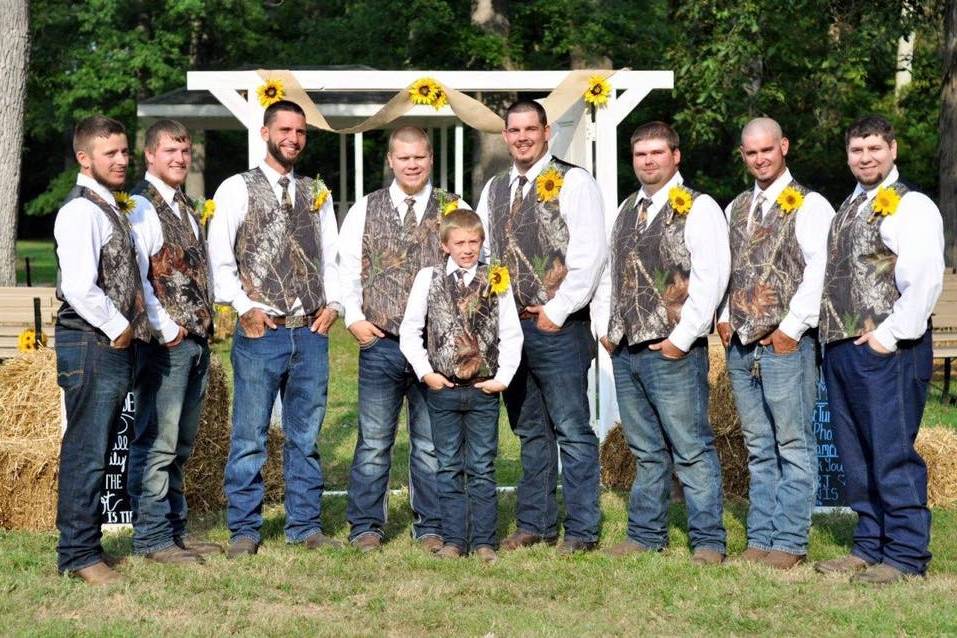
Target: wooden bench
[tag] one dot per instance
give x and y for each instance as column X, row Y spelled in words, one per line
column 17, row 315
column 945, row 331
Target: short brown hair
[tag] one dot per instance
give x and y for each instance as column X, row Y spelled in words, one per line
column 463, row 219
column 527, row 106
column 409, row 134
column 176, row 131
column 92, row 127
column 282, row 105
column 656, row 131
column 870, row 125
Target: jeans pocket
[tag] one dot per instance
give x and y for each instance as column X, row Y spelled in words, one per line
column 70, row 365
column 880, row 355
column 369, row 344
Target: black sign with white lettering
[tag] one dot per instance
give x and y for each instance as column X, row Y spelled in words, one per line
column 831, row 480
column 116, row 507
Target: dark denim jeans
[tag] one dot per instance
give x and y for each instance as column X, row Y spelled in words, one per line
column 776, row 418
column 547, row 403
column 170, row 385
column 385, row 379
column 294, row 362
column 664, row 414
column 465, row 432
column 877, row 401
column 95, row 379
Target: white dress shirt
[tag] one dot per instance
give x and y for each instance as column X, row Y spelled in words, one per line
column 411, row 341
column 581, row 207
column 812, row 222
column 350, row 243
column 148, row 238
column 81, row 230
column 915, row 233
column 706, row 238
column 232, row 203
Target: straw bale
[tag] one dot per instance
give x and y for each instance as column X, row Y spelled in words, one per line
column 224, row 322
column 938, row 447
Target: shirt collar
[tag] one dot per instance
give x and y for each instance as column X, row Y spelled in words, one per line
column 98, row 188
column 451, row 267
column 892, row 177
column 773, row 191
column 166, row 191
column 399, row 196
column 532, row 173
column 272, row 175
column 661, row 195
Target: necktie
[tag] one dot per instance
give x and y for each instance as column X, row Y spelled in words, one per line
column 408, row 221
column 460, row 277
column 643, row 204
column 757, row 211
column 286, row 200
column 519, row 196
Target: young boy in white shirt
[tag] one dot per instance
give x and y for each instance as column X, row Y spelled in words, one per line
column 463, row 338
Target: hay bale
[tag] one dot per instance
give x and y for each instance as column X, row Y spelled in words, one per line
column 618, row 464
column 938, row 447
column 224, row 322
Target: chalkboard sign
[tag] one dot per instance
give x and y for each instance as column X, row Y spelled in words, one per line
column 116, row 508
column 831, row 479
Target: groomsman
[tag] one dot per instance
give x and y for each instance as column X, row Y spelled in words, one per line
column 778, row 235
column 387, row 237
column 102, row 312
column 170, row 369
column 545, row 224
column 884, row 274
column 272, row 246
column 667, row 272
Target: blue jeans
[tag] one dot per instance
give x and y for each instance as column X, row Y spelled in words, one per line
column 465, row 431
column 95, row 379
column 169, row 385
column 385, row 379
column 876, row 403
column 547, row 403
column 664, row 414
column 776, row 418
column 294, row 362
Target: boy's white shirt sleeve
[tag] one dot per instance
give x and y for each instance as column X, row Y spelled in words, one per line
column 148, row 240
column 510, row 338
column 411, row 338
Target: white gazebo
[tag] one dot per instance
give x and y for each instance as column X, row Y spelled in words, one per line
column 576, row 135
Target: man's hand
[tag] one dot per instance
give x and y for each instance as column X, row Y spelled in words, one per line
column 254, row 322
column 724, row 331
column 607, row 345
column 668, row 350
column 436, row 381
column 365, row 331
column 324, row 321
column 491, row 386
column 542, row 322
column 122, row 342
column 178, row 339
column 869, row 339
column 781, row 343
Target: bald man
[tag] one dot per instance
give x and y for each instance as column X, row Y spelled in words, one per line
column 768, row 323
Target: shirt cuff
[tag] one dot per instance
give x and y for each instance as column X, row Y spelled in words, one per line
column 422, row 368
column 504, row 377
column 353, row 314
column 556, row 312
column 169, row 330
column 682, row 337
column 792, row 327
column 242, row 304
column 885, row 338
column 115, row 326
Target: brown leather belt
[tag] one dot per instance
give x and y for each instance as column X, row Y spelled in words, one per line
column 294, row 321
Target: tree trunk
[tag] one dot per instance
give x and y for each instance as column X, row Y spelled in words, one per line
column 948, row 133
column 14, row 55
column 489, row 154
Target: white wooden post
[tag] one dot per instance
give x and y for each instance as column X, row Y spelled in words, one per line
column 343, row 176
column 460, row 162
column 357, row 155
column 254, row 123
column 444, row 158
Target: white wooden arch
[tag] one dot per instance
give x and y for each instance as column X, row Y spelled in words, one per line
column 573, row 133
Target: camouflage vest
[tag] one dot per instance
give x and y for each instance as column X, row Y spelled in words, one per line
column 533, row 242
column 391, row 257
column 462, row 326
column 859, row 285
column 279, row 252
column 767, row 267
column 179, row 271
column 118, row 274
column 650, row 273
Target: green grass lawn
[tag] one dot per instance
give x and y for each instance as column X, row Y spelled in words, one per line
column 42, row 262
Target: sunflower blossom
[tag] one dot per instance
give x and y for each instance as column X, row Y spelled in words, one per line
column 790, row 200
column 320, row 193
column 426, row 91
column 124, row 202
column 886, row 201
column 680, row 199
column 498, row 279
column 271, row 92
column 207, row 210
column 548, row 184
column 598, row 91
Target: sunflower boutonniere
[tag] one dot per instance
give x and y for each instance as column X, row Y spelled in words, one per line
column 498, row 279
column 205, row 210
column 447, row 201
column 885, row 202
column 548, row 184
column 680, row 200
column 789, row 200
column 320, row 193
column 124, row 202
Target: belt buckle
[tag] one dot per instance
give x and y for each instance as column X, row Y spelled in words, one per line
column 296, row 321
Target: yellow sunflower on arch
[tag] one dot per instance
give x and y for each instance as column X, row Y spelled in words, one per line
column 549, row 184
column 271, row 92
column 598, row 91
column 426, row 91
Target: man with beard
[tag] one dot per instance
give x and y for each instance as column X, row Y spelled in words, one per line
column 102, row 312
column 884, row 274
column 387, row 237
column 272, row 247
column 170, row 375
column 778, row 234
column 545, row 224
column 666, row 275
